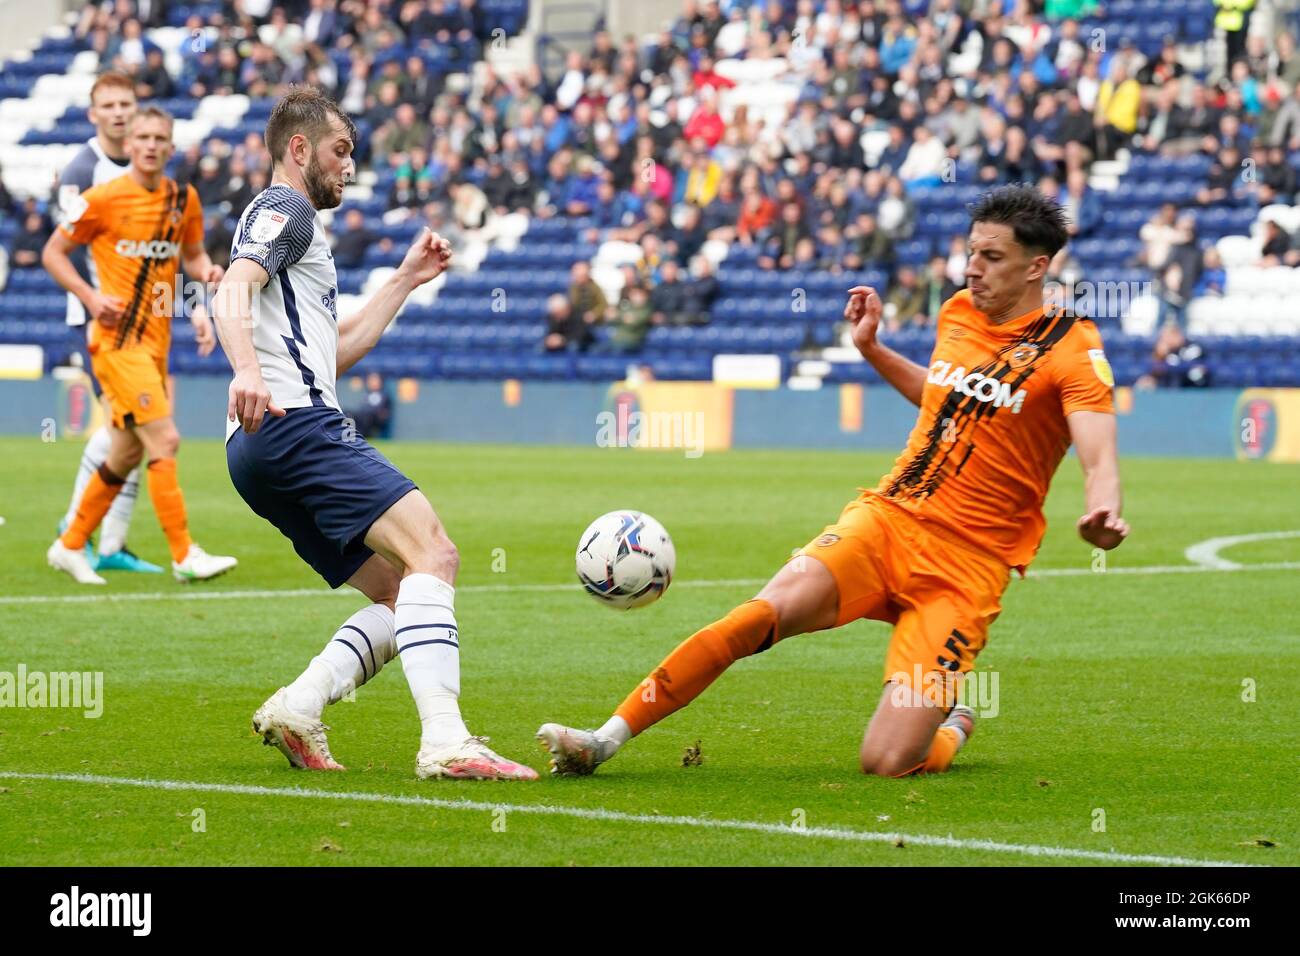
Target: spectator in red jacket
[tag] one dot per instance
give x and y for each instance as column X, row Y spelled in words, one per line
column 707, row 76
column 706, row 123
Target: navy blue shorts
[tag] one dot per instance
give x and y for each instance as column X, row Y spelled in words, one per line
column 322, row 491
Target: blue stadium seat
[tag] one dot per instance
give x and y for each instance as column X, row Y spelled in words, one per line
column 913, row 252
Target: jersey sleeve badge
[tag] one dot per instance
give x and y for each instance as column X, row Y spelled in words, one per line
column 1101, row 367
column 268, row 225
column 72, row 203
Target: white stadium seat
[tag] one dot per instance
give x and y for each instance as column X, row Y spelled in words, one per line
column 31, row 113
column 1201, row 313
column 1246, row 280
column 222, row 110
column 188, row 132
column 377, row 277
column 1288, row 217
column 85, row 63
column 63, row 88
column 614, row 253
column 1142, row 315
column 1238, row 251
column 610, row 280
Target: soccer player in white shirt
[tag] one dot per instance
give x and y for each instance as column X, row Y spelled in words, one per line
column 296, row 462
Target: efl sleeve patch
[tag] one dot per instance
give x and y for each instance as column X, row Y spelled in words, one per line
column 267, row 225
column 277, row 233
column 1101, row 367
column 72, row 204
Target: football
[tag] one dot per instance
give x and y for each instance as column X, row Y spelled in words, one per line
column 625, row 559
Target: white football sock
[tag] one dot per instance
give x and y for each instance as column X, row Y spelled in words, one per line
column 362, row 645
column 92, row 456
column 112, row 533
column 617, row 732
column 429, row 644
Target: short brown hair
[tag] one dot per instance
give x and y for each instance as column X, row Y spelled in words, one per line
column 304, row 110
column 152, row 112
column 113, row 79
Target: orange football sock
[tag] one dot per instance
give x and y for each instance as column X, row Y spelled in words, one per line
column 169, row 505
column 96, row 499
column 943, row 748
column 697, row 662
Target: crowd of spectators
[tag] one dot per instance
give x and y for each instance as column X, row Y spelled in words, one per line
column 649, row 144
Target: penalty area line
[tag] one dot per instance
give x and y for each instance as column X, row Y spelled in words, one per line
column 619, row 816
column 192, row 592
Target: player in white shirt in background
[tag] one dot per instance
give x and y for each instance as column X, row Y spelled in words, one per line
column 294, row 459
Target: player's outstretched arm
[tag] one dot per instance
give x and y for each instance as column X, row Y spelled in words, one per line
column 56, row 258
column 232, row 308
column 428, row 257
column 1093, row 434
column 863, row 311
column 199, row 265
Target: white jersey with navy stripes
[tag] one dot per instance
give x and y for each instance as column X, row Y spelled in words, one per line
column 295, row 327
column 90, row 167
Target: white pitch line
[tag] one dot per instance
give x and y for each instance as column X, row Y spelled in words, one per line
column 194, row 592
column 618, row 816
column 1206, row 553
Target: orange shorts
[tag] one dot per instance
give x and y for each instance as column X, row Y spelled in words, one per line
column 939, row 592
column 135, row 383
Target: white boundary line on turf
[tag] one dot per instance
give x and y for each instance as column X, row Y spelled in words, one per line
column 1206, row 553
column 194, row 593
column 618, row 816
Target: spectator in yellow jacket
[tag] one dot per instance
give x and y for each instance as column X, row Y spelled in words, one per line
column 1118, row 101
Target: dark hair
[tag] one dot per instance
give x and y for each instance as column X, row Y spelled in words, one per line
column 1037, row 222
column 304, row 110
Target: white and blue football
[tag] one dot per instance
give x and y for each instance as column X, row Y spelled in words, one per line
column 625, row 559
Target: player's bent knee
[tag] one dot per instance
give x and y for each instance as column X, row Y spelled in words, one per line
column 433, row 552
column 892, row 762
column 445, row 553
column 164, row 443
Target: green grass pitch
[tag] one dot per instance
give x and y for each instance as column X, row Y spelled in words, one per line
column 1124, row 693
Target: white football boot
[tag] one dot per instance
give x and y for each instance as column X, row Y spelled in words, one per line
column 74, row 563
column 299, row 737
column 199, row 565
column 471, row 759
column 574, row 753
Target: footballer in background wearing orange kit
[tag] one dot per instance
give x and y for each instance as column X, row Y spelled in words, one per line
column 1009, row 387
column 112, row 102
column 139, row 227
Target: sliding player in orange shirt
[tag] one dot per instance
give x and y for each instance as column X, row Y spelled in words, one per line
column 139, row 227
column 931, row 548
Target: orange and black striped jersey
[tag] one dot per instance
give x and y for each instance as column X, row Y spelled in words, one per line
column 992, row 428
column 135, row 237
